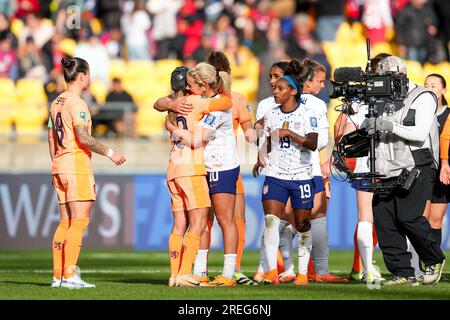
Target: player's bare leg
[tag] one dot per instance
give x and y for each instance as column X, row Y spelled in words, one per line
column 224, row 204
column 239, row 215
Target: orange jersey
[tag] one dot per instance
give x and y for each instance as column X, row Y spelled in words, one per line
column 66, row 112
column 239, row 111
column 185, row 161
column 445, row 140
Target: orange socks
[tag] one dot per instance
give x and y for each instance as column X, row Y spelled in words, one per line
column 240, row 224
column 73, row 244
column 58, row 248
column 375, row 237
column 192, row 244
column 175, row 246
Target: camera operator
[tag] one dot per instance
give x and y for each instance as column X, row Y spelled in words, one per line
column 408, row 140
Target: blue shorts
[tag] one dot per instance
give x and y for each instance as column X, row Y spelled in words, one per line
column 359, row 184
column 222, row 181
column 319, row 186
column 300, row 192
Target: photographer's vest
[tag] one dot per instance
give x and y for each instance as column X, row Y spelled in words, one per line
column 394, row 153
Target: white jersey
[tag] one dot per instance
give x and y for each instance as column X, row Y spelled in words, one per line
column 288, row 160
column 265, row 106
column 220, row 152
column 322, row 124
column 362, row 163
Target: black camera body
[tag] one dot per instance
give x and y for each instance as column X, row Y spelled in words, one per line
column 365, row 85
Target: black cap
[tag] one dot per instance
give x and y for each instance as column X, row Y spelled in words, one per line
column 178, row 78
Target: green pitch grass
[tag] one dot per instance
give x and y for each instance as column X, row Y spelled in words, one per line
column 144, row 275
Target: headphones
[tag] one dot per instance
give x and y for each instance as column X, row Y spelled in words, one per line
column 178, row 79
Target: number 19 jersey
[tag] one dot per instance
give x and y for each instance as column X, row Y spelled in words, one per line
column 288, row 160
column 66, row 112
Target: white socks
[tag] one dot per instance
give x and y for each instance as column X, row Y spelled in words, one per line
column 263, row 266
column 200, row 264
column 229, row 265
column 304, row 251
column 320, row 249
column 365, row 244
column 287, row 249
column 272, row 239
column 415, row 263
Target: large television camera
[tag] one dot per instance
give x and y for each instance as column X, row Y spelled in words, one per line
column 372, row 89
column 391, row 85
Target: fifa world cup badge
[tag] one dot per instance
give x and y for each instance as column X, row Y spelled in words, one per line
column 285, row 125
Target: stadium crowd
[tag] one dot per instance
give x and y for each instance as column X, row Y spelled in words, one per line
column 35, row 35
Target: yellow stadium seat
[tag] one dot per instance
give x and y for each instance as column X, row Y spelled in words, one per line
column 99, row 90
column 442, row 68
column 31, row 90
column 16, row 26
column 415, row 72
column 7, row 105
column 150, row 123
column 29, row 120
column 381, row 47
column 165, row 67
column 140, row 69
column 117, row 69
column 68, row 46
column 7, row 90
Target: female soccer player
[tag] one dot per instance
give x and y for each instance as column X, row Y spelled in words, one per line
column 277, row 71
column 320, row 251
column 186, row 180
column 242, row 117
column 221, row 162
column 435, row 211
column 292, row 134
column 71, row 146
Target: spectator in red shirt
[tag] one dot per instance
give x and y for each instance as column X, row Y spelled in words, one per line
column 25, row 7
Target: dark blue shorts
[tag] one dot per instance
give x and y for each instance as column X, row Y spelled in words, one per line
column 359, row 184
column 222, row 181
column 301, row 192
column 319, row 186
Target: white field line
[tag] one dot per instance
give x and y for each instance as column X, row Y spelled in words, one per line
column 122, row 271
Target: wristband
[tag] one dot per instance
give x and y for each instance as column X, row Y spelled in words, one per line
column 110, row 153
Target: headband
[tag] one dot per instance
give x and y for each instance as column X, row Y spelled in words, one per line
column 291, row 82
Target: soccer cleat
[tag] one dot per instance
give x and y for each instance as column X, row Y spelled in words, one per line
column 242, row 279
column 201, row 279
column 301, row 280
column 258, row 277
column 75, row 282
column 221, row 281
column 172, row 281
column 286, row 277
column 186, row 280
column 355, row 275
column 433, row 273
column 330, row 278
column 398, row 280
column 271, row 277
column 372, row 278
column 56, row 283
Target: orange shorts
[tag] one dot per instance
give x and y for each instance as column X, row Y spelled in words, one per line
column 74, row 187
column 326, row 182
column 240, row 186
column 187, row 193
